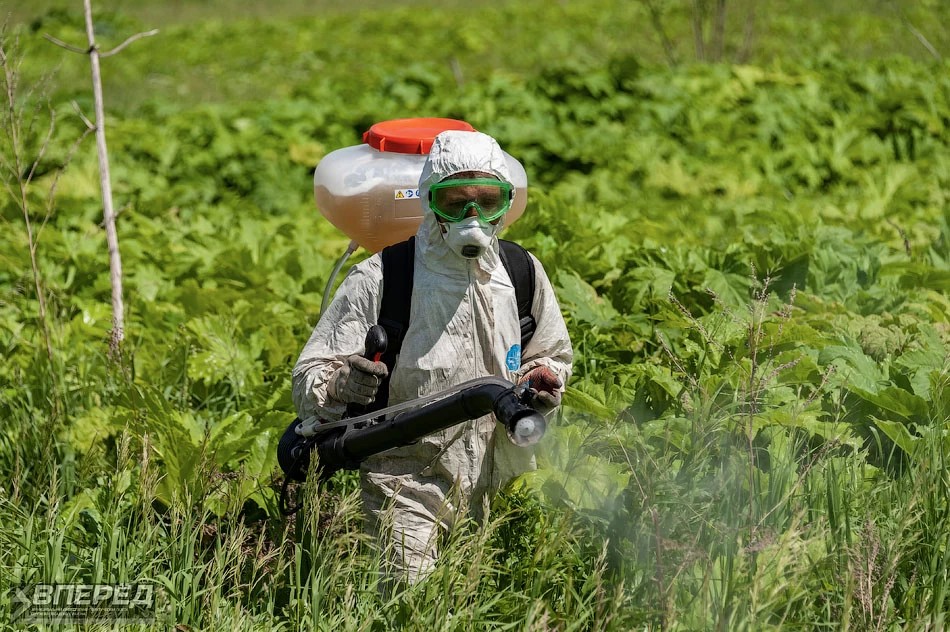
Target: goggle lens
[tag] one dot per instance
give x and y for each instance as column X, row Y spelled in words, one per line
column 452, row 199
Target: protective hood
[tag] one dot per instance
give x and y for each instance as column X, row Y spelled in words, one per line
column 453, row 152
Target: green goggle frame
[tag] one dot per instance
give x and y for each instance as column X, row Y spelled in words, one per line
column 490, row 198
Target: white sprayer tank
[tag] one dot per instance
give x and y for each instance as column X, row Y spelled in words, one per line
column 371, row 191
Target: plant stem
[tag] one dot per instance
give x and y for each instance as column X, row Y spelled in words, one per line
column 112, row 238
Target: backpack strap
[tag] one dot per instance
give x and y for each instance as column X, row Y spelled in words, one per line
column 520, row 269
column 398, row 261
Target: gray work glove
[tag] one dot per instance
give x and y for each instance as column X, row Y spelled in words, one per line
column 357, row 381
column 543, row 384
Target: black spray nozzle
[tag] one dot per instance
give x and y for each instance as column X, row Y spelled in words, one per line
column 524, row 425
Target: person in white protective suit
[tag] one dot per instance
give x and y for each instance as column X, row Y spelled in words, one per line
column 464, row 323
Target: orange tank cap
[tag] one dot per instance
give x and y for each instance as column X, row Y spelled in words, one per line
column 410, row 135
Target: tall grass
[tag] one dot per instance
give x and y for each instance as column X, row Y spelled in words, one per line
column 526, row 568
column 812, row 537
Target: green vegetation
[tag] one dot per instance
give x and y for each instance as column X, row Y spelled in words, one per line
column 753, row 259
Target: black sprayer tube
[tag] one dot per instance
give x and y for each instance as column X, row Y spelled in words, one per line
column 345, row 449
column 410, row 426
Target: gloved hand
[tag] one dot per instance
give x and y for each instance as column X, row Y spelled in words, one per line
column 543, row 384
column 357, row 381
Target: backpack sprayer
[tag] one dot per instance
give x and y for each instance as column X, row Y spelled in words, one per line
column 370, row 192
column 344, row 444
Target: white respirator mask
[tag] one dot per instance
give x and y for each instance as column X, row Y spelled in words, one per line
column 469, row 238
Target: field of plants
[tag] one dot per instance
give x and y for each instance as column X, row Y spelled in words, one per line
column 748, row 230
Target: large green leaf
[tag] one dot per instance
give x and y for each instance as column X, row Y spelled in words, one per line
column 582, row 301
column 896, row 400
column 853, row 368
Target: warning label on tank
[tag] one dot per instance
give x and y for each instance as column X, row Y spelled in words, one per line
column 407, row 194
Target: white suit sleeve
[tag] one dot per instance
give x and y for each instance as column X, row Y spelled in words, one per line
column 551, row 344
column 340, row 333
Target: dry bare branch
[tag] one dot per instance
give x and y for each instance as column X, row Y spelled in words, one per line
column 112, row 237
column 62, row 44
column 89, row 124
column 128, row 41
column 923, row 40
column 108, row 213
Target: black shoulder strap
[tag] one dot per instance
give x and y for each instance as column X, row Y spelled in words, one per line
column 520, row 269
column 398, row 261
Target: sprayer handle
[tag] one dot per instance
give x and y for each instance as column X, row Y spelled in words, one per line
column 376, row 343
column 373, row 349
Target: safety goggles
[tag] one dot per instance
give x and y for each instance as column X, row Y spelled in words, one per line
column 452, row 199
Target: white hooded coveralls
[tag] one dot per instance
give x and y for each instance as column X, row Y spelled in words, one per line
column 463, row 325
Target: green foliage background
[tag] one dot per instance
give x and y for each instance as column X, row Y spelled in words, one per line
column 752, row 259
